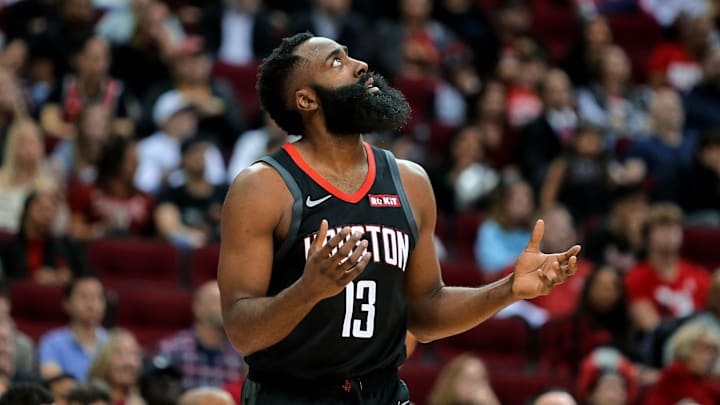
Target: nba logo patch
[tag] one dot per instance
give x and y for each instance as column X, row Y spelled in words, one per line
column 384, row 200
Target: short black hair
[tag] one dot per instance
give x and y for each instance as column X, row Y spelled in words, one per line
column 87, row 394
column 70, row 287
column 26, row 394
column 272, row 83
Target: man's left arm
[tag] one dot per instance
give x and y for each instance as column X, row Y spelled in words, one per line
column 437, row 311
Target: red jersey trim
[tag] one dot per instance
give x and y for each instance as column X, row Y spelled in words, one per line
column 351, row 198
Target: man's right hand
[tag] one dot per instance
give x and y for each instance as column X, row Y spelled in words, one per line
column 331, row 267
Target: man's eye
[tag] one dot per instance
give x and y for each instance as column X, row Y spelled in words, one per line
column 336, row 62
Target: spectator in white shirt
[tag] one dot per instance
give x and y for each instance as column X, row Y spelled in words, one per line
column 159, row 154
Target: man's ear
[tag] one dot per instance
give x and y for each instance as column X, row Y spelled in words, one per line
column 305, row 99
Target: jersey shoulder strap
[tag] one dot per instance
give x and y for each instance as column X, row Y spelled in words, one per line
column 397, row 181
column 297, row 207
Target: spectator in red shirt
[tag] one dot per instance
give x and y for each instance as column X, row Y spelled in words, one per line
column 688, row 376
column 664, row 286
column 607, row 378
column 678, row 63
column 112, row 206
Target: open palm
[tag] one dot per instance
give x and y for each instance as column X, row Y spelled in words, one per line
column 536, row 273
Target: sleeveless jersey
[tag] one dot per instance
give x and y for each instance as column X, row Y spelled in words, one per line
column 362, row 329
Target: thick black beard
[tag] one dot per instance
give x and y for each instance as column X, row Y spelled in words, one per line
column 352, row 109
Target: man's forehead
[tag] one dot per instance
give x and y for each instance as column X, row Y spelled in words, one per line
column 316, row 48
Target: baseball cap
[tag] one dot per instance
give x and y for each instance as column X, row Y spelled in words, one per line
column 167, row 105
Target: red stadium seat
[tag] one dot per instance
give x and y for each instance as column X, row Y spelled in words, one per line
column 637, row 34
column 420, row 379
column 501, row 343
column 461, row 273
column 153, row 314
column 700, row 245
column 517, row 387
column 242, row 79
column 555, row 25
column 466, row 230
column 204, row 264
column 37, row 308
column 130, row 261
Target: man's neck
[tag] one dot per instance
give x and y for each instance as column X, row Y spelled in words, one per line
column 336, row 153
column 197, row 185
column 665, row 264
column 85, row 334
column 613, row 88
column 208, row 336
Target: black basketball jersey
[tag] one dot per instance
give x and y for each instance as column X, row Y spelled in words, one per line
column 362, row 329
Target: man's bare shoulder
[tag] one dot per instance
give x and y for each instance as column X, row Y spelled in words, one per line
column 412, row 171
column 417, row 186
column 259, row 188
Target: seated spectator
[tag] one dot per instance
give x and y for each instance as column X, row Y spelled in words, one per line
column 553, row 396
column 668, row 149
column 582, row 60
column 189, row 215
column 118, row 365
column 490, row 116
column 8, row 374
column 76, row 159
column 219, row 114
column 13, row 104
column 119, row 24
column 580, row 178
column 89, row 85
column 26, row 394
column 545, row 138
column 13, row 56
column 160, row 383
column 89, row 394
column 618, row 241
column 664, row 286
column 505, row 233
column 23, row 170
column 112, row 205
column 23, row 349
column 703, row 101
column 600, row 319
column 700, row 182
column 159, row 154
column 151, row 42
column 72, row 348
column 239, row 32
column 36, row 253
column 607, row 378
column 563, row 301
column 60, row 387
column 203, row 354
column 687, row 377
column 609, row 102
column 677, row 63
column 465, row 381
column 206, row 395
column 523, row 67
column 253, row 144
column 465, row 181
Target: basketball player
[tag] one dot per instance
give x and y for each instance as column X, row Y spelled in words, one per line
column 327, row 255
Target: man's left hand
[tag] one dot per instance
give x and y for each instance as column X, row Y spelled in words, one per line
column 536, row 273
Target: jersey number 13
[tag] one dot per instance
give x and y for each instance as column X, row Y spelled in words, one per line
column 365, row 291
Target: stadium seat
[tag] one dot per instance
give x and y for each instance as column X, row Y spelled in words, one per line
column 242, row 79
column 204, row 264
column 37, row 308
column 637, row 34
column 554, row 25
column 121, row 262
column 153, row 313
column 419, row 379
column 501, row 343
column 466, row 228
column 461, row 273
column 700, row 245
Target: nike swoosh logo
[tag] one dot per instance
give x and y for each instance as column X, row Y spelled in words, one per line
column 313, row 203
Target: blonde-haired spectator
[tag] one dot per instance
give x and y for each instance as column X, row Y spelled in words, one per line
column 463, row 381
column 23, row 170
column 206, row 396
column 695, row 349
column 118, row 364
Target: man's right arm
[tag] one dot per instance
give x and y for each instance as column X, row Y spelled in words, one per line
column 257, row 204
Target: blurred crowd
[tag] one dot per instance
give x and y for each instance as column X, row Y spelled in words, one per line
column 129, row 118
